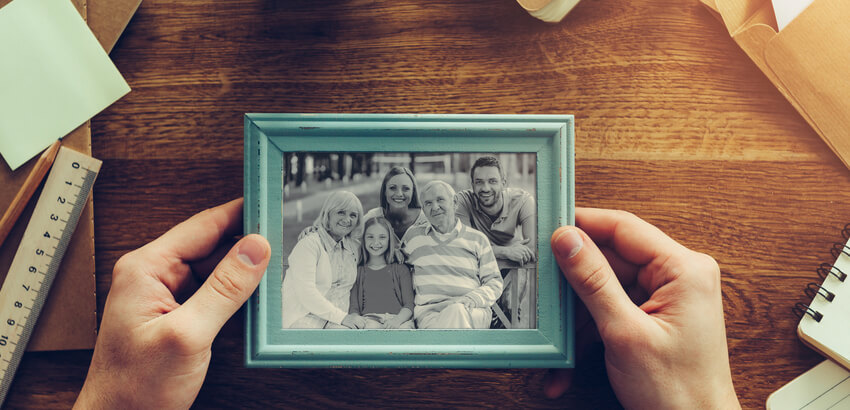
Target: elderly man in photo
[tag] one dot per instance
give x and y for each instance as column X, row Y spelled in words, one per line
column 455, row 274
column 506, row 215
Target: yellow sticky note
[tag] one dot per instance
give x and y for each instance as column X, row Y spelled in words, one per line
column 54, row 76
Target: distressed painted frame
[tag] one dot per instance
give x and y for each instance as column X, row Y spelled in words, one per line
column 551, row 137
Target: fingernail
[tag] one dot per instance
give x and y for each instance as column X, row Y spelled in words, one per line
column 569, row 243
column 252, row 251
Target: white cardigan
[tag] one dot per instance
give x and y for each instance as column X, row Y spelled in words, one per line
column 306, row 283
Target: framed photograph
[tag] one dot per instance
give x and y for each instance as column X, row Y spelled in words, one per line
column 409, row 240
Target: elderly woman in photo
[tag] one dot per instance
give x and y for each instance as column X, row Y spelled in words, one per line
column 323, row 267
column 400, row 205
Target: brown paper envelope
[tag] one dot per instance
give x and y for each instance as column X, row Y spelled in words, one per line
column 738, row 13
column 753, row 32
column 752, row 24
column 811, row 57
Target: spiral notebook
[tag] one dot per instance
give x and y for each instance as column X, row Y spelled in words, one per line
column 825, row 327
column 825, row 323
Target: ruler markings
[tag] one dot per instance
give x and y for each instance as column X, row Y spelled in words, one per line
column 58, row 194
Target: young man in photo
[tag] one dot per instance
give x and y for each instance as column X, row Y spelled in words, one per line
column 507, row 216
column 455, row 275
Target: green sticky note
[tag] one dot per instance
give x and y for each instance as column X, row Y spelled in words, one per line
column 54, row 76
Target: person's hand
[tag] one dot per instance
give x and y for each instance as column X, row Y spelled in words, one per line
column 354, row 321
column 519, row 253
column 395, row 322
column 153, row 351
column 467, row 302
column 657, row 307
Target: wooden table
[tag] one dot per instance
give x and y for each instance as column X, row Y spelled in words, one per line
column 673, row 122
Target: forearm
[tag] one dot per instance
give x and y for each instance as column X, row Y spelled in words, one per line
column 529, row 234
column 490, row 278
column 488, row 293
column 500, row 252
column 301, row 279
column 404, row 314
column 320, row 306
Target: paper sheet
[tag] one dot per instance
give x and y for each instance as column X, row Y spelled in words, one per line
column 826, row 386
column 787, row 10
column 54, row 75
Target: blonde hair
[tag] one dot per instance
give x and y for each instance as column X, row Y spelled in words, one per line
column 392, row 244
column 340, row 200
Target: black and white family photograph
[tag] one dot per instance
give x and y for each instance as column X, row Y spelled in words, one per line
column 409, row 240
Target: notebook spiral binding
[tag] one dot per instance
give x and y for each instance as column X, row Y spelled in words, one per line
column 824, row 270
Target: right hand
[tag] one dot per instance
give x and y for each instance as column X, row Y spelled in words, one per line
column 354, row 321
column 665, row 349
column 153, row 348
column 519, row 253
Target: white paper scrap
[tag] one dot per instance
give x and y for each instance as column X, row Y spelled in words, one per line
column 788, row 10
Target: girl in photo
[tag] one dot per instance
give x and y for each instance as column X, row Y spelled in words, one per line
column 383, row 291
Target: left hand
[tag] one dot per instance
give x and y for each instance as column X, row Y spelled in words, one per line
column 657, row 306
column 153, row 351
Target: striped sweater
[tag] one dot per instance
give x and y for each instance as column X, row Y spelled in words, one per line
column 460, row 263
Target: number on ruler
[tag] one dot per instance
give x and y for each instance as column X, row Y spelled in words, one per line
column 23, row 310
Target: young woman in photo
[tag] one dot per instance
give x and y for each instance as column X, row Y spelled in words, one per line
column 399, row 198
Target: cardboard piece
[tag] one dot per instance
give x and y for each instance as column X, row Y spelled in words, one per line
column 806, row 61
column 109, row 18
column 68, row 320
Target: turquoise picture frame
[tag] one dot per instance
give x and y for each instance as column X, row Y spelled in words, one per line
column 550, row 137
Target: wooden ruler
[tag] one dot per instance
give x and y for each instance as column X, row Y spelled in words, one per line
column 38, row 257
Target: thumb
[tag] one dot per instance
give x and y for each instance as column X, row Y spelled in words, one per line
column 228, row 287
column 590, row 276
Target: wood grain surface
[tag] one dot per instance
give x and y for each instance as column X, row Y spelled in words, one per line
column 673, row 123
